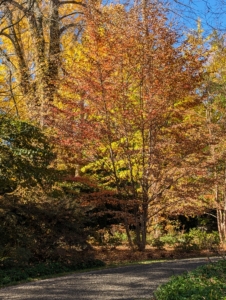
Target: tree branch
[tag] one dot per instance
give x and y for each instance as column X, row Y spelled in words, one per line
column 71, row 14
column 6, row 60
column 16, row 4
column 70, row 2
column 66, row 27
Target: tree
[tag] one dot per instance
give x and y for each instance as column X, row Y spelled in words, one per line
column 214, row 90
column 36, row 36
column 32, row 41
column 121, row 110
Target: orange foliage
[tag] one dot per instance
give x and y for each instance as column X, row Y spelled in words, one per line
column 126, row 111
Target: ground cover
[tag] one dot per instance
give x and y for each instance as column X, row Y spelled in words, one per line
column 207, row 282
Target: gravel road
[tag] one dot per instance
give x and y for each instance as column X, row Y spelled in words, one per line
column 129, row 282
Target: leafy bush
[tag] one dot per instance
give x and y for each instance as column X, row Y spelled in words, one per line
column 195, row 239
column 206, row 282
column 117, row 239
column 203, row 239
column 38, row 230
column 158, row 243
column 169, row 239
column 25, row 155
column 185, row 242
column 213, row 239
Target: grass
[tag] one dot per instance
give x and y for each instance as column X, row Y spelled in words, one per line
column 205, row 283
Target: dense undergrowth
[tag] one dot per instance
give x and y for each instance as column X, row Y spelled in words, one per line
column 195, row 239
column 41, row 235
column 205, row 283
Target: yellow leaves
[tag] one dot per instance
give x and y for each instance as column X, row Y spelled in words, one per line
column 101, row 31
column 199, row 27
column 4, row 95
column 3, row 74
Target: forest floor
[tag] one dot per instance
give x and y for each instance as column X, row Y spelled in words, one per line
column 122, row 254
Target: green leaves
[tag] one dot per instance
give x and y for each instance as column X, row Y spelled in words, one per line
column 24, row 154
column 207, row 282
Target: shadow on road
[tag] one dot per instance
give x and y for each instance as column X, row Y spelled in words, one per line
column 130, row 282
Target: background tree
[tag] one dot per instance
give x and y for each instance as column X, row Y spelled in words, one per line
column 33, row 39
column 215, row 118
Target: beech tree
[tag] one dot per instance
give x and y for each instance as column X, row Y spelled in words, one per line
column 127, row 109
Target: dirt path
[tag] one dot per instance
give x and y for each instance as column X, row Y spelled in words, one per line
column 130, row 282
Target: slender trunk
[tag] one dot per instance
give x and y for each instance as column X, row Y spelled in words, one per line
column 221, row 221
column 54, row 48
column 128, row 234
column 144, row 226
column 220, row 198
column 138, row 233
column 23, row 68
column 221, row 212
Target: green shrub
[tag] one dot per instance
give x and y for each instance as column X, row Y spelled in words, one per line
column 169, row 239
column 203, row 239
column 157, row 243
column 206, row 282
column 117, row 239
column 185, row 243
column 25, row 155
column 196, row 239
column 213, row 239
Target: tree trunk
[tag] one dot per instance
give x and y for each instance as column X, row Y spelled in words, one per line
column 141, row 228
column 221, row 212
column 221, row 223
column 128, row 234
